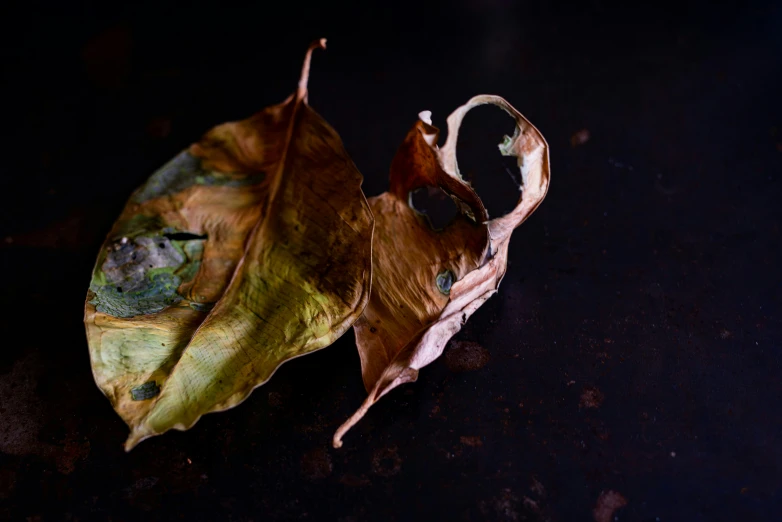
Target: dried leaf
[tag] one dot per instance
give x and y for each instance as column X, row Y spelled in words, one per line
column 248, row 249
column 427, row 283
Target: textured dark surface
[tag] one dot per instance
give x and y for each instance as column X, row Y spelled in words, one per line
column 634, row 345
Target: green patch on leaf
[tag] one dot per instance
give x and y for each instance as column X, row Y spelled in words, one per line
column 141, row 275
column 184, row 171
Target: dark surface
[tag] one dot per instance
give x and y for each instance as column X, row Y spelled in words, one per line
column 634, row 345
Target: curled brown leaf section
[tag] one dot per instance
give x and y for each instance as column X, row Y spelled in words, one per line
column 410, row 316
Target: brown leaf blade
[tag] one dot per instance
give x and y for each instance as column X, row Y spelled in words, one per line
column 283, row 268
column 427, row 283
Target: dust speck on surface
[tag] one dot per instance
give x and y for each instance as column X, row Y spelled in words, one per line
column 502, row 507
column 531, row 504
column 537, row 487
column 144, row 483
column 591, row 397
column 608, row 502
column 386, row 462
column 275, row 399
column 316, row 464
column 472, row 441
column 579, row 138
column 464, row 356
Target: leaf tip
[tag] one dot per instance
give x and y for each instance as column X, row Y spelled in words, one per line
column 428, row 131
column 137, row 435
column 131, row 443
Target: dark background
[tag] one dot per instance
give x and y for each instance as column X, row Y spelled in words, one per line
column 634, row 345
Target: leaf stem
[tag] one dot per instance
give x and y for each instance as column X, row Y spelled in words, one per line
column 301, row 93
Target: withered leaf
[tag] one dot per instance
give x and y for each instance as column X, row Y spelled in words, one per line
column 427, row 283
column 248, row 249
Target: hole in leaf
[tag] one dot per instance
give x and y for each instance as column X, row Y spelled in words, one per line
column 184, row 236
column 445, row 280
column 119, row 289
column 438, row 206
column 496, row 178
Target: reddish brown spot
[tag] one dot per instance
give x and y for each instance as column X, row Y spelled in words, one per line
column 386, row 462
column 599, row 429
column 75, row 449
column 7, row 482
column 607, row 503
column 316, row 464
column 472, row 441
column 591, row 397
column 107, row 57
column 464, row 356
column 354, row 481
column 159, row 127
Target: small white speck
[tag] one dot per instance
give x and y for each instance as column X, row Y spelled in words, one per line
column 124, row 240
column 673, row 454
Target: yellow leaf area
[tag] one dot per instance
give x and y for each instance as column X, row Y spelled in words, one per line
column 251, row 248
column 427, row 283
